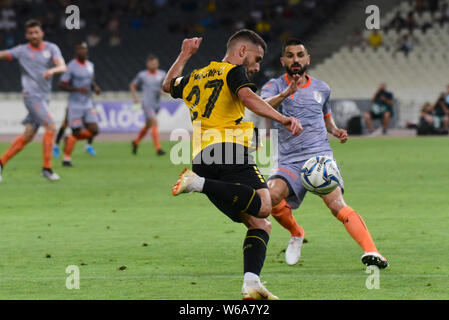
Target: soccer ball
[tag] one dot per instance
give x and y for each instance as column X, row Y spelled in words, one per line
column 320, row 175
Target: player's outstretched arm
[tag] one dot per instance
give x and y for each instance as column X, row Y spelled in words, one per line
column 332, row 128
column 257, row 105
column 276, row 100
column 5, row 55
column 60, row 67
column 188, row 49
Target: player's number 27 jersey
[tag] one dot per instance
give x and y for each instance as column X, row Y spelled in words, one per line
column 216, row 111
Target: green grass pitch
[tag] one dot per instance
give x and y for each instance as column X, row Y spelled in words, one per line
column 115, row 211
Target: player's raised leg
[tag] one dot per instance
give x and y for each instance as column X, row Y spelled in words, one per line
column 356, row 227
column 242, row 197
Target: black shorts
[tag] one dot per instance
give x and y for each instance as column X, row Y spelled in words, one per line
column 241, row 169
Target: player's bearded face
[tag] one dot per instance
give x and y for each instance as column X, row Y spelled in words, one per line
column 295, row 60
column 296, row 68
column 34, row 35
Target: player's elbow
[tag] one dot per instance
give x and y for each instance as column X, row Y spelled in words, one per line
column 166, row 86
column 246, row 97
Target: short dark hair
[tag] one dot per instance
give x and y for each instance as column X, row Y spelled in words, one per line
column 291, row 42
column 152, row 57
column 33, row 23
column 246, row 34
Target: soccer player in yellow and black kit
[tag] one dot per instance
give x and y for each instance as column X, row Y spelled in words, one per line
column 222, row 169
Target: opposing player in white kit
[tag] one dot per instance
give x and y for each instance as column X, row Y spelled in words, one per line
column 150, row 80
column 297, row 94
column 81, row 114
column 39, row 60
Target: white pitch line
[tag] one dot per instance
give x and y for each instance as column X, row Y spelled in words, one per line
column 223, row 276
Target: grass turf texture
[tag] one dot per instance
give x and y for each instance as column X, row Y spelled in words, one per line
column 115, row 211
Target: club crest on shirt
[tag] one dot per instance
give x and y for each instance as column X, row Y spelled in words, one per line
column 318, row 97
column 46, row 54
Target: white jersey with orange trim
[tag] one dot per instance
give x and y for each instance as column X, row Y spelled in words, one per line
column 33, row 63
column 80, row 74
column 151, row 84
column 310, row 104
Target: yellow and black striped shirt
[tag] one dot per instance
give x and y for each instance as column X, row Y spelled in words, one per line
column 216, row 111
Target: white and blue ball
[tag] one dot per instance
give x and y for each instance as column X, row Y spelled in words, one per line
column 320, row 175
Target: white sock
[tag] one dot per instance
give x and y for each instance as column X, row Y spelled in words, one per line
column 198, row 184
column 249, row 276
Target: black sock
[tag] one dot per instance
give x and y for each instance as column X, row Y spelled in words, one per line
column 241, row 197
column 90, row 140
column 59, row 135
column 254, row 250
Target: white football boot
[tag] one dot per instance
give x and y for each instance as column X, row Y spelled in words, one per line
column 255, row 290
column 50, row 175
column 188, row 181
column 374, row 259
column 293, row 252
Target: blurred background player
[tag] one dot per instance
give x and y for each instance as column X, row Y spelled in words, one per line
column 81, row 114
column 232, row 182
column 150, row 82
column 382, row 108
column 39, row 60
column 308, row 99
column 79, row 55
column 88, row 148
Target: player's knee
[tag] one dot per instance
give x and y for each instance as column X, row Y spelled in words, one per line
column 28, row 136
column 276, row 198
column 263, row 224
column 76, row 132
column 50, row 127
column 93, row 130
column 265, row 208
column 266, row 225
column 335, row 205
column 265, row 203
